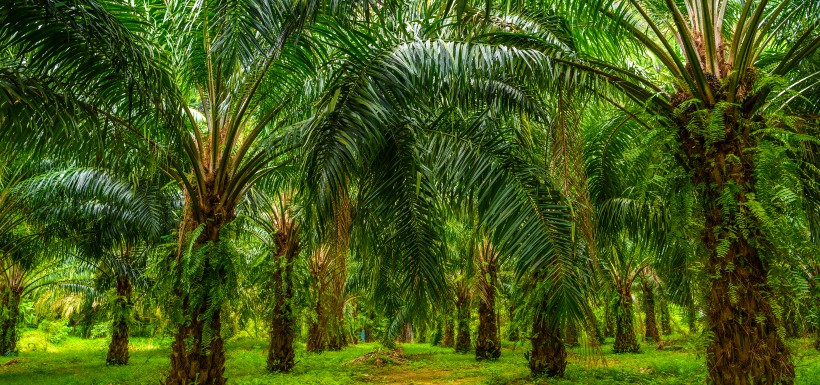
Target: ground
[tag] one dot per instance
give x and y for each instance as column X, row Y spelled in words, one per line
column 76, row 361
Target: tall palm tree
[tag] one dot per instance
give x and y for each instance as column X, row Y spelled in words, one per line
column 723, row 77
column 246, row 75
column 235, row 76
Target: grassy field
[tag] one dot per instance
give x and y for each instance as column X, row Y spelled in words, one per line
column 76, row 361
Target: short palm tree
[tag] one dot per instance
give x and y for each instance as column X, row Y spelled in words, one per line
column 113, row 227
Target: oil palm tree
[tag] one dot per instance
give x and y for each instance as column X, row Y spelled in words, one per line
column 236, row 74
column 113, row 226
column 242, row 86
column 723, row 77
column 277, row 225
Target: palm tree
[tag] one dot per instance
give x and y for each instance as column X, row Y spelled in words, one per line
column 244, row 84
column 709, row 80
column 279, row 226
column 402, row 152
column 231, row 92
column 624, row 263
column 114, row 225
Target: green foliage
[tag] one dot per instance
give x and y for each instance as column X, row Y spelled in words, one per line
column 57, row 331
column 68, row 364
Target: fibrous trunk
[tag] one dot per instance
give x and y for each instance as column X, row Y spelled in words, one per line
column 449, row 331
column 487, row 344
column 652, row 334
column 316, row 342
column 118, row 349
column 625, row 340
column 282, row 329
column 463, row 343
column 745, row 347
column 406, row 334
column 198, row 351
column 438, row 334
column 666, row 318
column 548, row 356
column 9, row 317
column 512, row 329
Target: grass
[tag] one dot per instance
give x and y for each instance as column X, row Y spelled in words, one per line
column 76, row 361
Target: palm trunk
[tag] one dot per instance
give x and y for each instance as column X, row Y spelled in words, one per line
column 625, row 340
column 463, row 343
column 282, row 328
column 512, row 330
column 745, row 347
column 118, row 349
column 817, row 338
column 666, row 318
column 337, row 337
column 449, row 338
column 420, row 333
column 316, row 336
column 9, row 317
column 406, row 334
column 488, row 344
column 652, row 334
column 548, row 356
column 692, row 318
column 198, row 351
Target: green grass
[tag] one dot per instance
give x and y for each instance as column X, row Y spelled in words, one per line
column 82, row 362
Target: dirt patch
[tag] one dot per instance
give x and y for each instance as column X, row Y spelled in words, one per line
column 416, row 377
column 13, row 361
column 381, row 357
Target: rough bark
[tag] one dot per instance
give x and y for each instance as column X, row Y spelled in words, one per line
column 449, row 338
column 9, row 317
column 745, row 347
column 548, row 356
column 666, row 318
column 817, row 338
column 198, row 351
column 625, row 340
column 202, row 364
column 512, row 330
column 488, row 343
column 282, row 329
column 651, row 334
column 118, row 348
column 463, row 343
column 438, row 334
column 316, row 336
column 406, row 334
column 691, row 319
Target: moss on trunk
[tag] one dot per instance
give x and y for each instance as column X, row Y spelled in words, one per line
column 651, row 323
column 625, row 339
column 282, row 325
column 449, row 338
column 548, row 356
column 118, row 349
column 488, row 343
column 463, row 343
column 9, row 318
column 745, row 347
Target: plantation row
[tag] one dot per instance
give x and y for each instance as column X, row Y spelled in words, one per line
column 448, row 171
